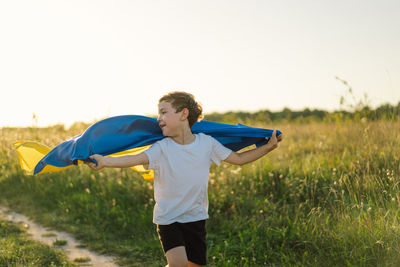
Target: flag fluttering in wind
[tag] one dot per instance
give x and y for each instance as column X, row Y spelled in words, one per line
column 126, row 135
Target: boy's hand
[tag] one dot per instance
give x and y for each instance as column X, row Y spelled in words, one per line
column 273, row 140
column 100, row 162
column 279, row 137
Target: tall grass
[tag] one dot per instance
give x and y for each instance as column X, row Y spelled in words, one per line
column 328, row 196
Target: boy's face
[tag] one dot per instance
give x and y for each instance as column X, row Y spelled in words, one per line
column 169, row 120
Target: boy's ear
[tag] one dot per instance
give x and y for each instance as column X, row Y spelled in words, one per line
column 185, row 113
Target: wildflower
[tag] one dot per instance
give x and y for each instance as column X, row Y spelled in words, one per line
column 236, row 171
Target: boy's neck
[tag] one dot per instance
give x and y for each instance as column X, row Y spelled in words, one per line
column 184, row 137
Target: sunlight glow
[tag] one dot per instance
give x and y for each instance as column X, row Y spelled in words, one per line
column 68, row 61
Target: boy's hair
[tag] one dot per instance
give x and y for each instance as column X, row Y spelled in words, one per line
column 181, row 100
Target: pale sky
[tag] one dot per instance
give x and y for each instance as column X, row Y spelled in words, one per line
column 83, row 60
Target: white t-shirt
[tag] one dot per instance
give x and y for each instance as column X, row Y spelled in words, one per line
column 181, row 177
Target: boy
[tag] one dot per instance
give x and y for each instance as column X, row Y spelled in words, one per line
column 181, row 164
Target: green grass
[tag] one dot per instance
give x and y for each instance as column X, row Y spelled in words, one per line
column 83, row 259
column 49, row 235
column 328, row 196
column 17, row 249
column 59, row 243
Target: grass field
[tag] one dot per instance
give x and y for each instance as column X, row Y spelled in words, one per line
column 328, row 196
column 17, row 249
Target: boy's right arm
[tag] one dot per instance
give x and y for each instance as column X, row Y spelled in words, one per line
column 120, row 162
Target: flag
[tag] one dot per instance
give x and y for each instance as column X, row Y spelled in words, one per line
column 126, row 135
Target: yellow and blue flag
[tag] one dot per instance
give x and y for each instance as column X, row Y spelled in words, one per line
column 126, row 135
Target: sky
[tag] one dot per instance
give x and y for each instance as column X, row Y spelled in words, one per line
column 81, row 60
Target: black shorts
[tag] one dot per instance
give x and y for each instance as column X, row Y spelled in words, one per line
column 191, row 235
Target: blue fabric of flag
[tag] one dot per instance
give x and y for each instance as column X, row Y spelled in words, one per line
column 119, row 133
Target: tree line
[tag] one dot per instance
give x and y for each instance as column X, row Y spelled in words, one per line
column 363, row 113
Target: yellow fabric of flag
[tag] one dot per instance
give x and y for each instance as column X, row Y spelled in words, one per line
column 30, row 153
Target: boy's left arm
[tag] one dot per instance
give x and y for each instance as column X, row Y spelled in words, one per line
column 254, row 154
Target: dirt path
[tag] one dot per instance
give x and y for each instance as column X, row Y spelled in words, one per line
column 48, row 237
